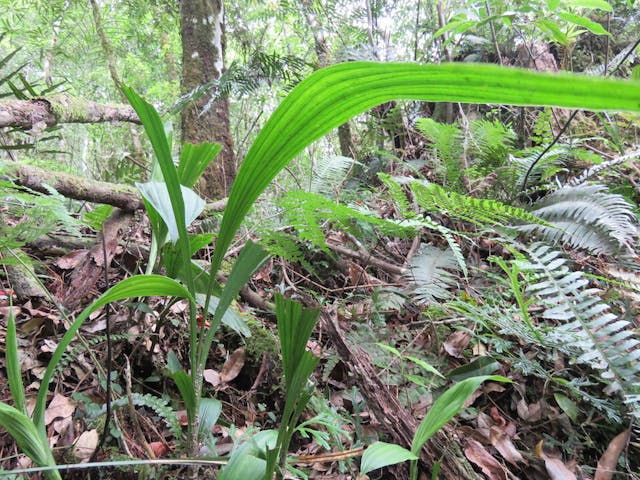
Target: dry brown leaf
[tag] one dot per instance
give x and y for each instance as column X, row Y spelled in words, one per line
column 60, row 407
column 556, row 469
column 86, row 445
column 159, row 449
column 232, row 367
column 211, row 376
column 4, row 312
column 476, row 453
column 529, row 412
column 456, row 343
column 502, row 442
column 609, row 459
column 71, row 259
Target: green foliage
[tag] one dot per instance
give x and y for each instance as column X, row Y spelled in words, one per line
column 448, row 148
column 295, row 325
column 330, row 173
column 492, row 142
column 308, row 213
column 37, row 214
column 586, row 216
column 604, row 341
column 433, row 272
column 481, row 212
column 333, row 95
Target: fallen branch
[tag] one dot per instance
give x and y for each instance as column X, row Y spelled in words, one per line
column 40, row 113
column 124, row 197
column 368, row 259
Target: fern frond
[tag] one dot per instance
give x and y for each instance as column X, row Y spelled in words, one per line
column 308, row 212
column 604, row 341
column 481, row 212
column 586, row 216
column 539, row 170
column 501, row 320
column 398, row 195
column 330, row 173
column 591, row 171
column 159, row 405
column 493, row 141
column 432, row 274
column 447, row 149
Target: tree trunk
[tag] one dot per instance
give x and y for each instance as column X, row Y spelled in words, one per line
column 206, row 119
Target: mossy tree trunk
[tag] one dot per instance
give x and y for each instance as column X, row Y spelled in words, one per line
column 206, row 119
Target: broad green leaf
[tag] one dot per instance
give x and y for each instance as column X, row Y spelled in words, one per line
column 553, row 4
column 199, row 241
column 157, row 195
column 389, row 348
column 26, row 435
column 592, row 4
column 593, row 27
column 456, row 26
column 14, row 373
column 567, row 405
column 210, row 409
column 137, row 286
column 155, row 130
column 194, row 159
column 381, row 454
column 245, row 462
column 446, row 406
column 184, row 383
column 331, row 96
column 295, row 325
column 425, row 366
column 553, row 31
column 480, row 366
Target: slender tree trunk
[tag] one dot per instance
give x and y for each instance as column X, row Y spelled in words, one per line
column 206, row 119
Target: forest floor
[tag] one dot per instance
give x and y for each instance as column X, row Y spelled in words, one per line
column 366, row 389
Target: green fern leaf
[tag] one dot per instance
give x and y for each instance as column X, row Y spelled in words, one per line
column 587, row 216
column 481, row 212
column 432, row 274
column 604, row 341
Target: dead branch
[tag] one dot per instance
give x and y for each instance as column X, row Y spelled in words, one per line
column 40, row 113
column 124, row 197
column 367, row 258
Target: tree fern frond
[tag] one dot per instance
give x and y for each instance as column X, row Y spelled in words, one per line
column 604, row 341
column 587, row 216
column 432, row 274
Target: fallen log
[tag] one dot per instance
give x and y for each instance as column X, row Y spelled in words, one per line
column 40, row 113
column 124, row 197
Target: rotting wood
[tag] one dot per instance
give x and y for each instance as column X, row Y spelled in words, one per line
column 91, row 268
